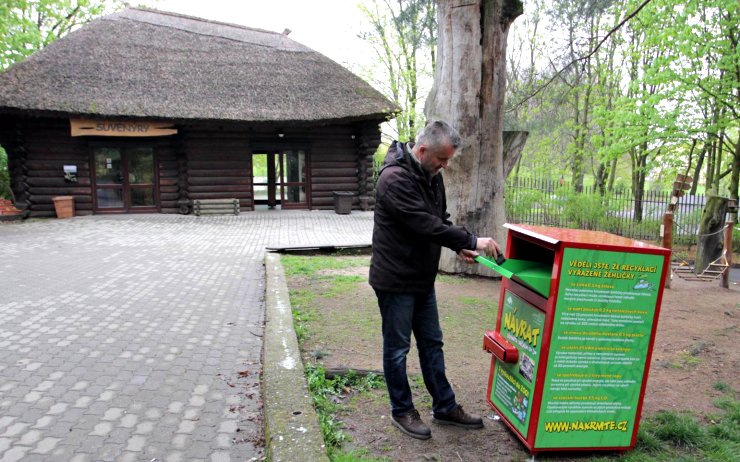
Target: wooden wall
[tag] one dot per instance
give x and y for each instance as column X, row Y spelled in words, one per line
column 200, row 162
column 40, row 150
column 218, row 165
column 166, row 152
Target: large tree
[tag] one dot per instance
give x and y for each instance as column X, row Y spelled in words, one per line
column 468, row 91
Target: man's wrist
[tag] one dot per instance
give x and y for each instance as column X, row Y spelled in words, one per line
column 473, row 242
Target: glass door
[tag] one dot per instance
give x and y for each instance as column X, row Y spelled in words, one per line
column 293, row 180
column 280, row 178
column 265, row 171
column 125, row 179
column 108, row 179
column 141, row 178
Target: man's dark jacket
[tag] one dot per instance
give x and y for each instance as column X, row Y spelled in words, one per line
column 411, row 226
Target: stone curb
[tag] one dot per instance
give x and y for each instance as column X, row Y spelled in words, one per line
column 292, row 429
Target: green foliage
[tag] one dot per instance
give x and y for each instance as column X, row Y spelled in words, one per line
column 664, row 82
column 27, row 26
column 679, row 429
column 4, row 175
column 302, row 313
column 721, row 386
column 674, row 436
column 325, row 394
column 563, row 207
column 259, row 165
column 403, row 35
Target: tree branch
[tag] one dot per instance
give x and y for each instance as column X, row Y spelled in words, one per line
column 582, row 58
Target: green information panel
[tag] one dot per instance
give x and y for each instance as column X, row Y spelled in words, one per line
column 513, row 385
column 600, row 338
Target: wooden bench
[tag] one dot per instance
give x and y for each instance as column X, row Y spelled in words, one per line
column 216, row 207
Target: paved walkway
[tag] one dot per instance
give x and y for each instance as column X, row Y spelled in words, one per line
column 138, row 337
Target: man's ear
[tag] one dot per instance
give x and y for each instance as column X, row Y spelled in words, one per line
column 422, row 150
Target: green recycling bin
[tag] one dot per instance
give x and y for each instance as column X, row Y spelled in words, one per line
column 578, row 313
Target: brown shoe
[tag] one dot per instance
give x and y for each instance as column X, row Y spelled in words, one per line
column 411, row 424
column 459, row 418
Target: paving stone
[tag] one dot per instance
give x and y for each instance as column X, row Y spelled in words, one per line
column 46, row 445
column 15, row 429
column 15, row 453
column 30, row 438
column 5, row 444
column 144, row 314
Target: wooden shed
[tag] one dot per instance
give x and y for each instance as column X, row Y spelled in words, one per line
column 148, row 111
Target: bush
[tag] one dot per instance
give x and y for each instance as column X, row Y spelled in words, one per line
column 4, row 175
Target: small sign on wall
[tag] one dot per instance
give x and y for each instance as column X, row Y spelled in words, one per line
column 70, row 173
column 135, row 128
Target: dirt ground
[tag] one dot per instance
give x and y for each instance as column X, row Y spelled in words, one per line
column 695, row 348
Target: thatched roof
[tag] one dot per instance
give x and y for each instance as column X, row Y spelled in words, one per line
column 146, row 63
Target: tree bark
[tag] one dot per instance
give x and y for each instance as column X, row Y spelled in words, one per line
column 468, row 91
column 711, row 240
column 514, row 142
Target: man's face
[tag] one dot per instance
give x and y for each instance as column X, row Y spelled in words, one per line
column 434, row 160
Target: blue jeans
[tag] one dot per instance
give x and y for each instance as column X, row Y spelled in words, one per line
column 403, row 313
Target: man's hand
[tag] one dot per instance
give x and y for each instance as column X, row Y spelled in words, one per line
column 488, row 246
column 467, row 256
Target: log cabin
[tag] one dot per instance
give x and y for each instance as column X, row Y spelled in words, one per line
column 144, row 111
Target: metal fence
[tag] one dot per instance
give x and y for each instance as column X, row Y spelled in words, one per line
column 548, row 202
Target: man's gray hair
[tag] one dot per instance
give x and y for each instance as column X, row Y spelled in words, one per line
column 436, row 133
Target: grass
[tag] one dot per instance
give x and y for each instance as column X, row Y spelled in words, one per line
column 300, row 302
column 341, row 284
column 679, row 436
column 662, row 437
column 309, row 265
column 326, row 393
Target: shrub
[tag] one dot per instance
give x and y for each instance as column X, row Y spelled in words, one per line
column 4, row 175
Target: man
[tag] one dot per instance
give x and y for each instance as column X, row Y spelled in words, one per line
column 411, row 226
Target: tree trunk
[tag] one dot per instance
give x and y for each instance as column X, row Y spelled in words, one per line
column 697, row 169
column 711, row 240
column 735, row 175
column 612, row 174
column 468, row 92
column 639, row 163
column 514, row 142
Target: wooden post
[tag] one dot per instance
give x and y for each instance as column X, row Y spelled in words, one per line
column 668, row 242
column 724, row 281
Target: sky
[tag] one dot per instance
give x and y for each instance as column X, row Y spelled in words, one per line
column 327, row 26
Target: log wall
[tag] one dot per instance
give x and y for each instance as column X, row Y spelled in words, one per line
column 41, row 149
column 200, row 162
column 219, row 165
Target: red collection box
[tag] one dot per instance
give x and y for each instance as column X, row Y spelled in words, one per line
column 570, row 358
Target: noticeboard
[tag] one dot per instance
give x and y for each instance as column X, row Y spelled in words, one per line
column 513, row 388
column 599, row 345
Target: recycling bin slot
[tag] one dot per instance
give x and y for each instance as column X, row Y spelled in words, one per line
column 531, row 274
column 525, row 248
column 499, row 347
